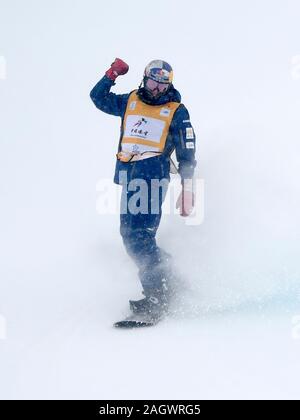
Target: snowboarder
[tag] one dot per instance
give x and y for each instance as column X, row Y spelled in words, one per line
column 154, row 122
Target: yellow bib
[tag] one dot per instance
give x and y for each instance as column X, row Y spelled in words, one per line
column 146, row 127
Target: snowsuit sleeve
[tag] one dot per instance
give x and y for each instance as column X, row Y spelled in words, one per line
column 184, row 140
column 106, row 101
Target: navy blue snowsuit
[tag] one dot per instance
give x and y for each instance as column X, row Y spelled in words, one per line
column 138, row 230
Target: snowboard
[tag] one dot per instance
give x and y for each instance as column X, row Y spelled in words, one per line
column 138, row 321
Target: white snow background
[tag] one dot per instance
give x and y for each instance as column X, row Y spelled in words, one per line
column 64, row 274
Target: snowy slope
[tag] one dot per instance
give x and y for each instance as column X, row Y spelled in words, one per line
column 64, row 275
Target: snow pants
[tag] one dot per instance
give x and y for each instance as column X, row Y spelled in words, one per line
column 143, row 194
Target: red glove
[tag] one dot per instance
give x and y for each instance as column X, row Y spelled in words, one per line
column 117, row 68
column 186, row 198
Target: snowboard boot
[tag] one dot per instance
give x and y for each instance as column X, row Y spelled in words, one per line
column 155, row 303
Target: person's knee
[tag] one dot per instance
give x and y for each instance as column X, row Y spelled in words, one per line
column 138, row 241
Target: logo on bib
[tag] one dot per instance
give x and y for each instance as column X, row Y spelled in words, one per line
column 135, row 148
column 143, row 127
column 132, row 105
column 139, row 127
column 165, row 112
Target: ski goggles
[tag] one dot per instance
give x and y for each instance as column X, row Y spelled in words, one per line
column 153, row 85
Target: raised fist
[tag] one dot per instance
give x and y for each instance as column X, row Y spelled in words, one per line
column 118, row 67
